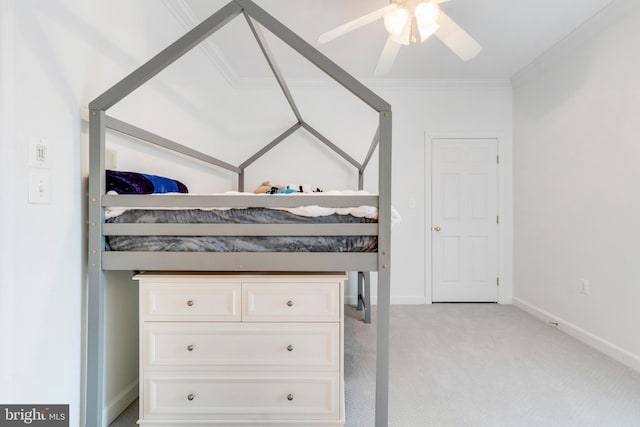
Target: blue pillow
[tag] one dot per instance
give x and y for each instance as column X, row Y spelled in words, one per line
column 140, row 183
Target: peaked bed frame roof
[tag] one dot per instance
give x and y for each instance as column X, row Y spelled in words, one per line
column 98, row 121
column 253, row 14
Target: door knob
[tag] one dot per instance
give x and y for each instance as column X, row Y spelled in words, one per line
column 437, row 228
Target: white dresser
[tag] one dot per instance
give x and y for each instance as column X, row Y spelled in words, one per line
column 241, row 349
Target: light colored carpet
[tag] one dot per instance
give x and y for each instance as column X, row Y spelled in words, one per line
column 481, row 365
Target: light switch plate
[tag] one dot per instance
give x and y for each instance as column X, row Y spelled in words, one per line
column 39, row 188
column 39, row 153
column 585, row 286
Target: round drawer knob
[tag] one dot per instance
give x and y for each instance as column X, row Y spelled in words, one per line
column 290, row 396
column 190, row 347
column 290, row 303
column 190, row 303
column 289, row 347
column 191, row 396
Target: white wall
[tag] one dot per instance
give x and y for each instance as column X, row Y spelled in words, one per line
column 576, row 174
column 121, row 343
column 40, row 252
column 456, row 112
column 465, row 109
column 7, row 154
column 462, row 109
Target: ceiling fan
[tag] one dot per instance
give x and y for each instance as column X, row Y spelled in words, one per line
column 410, row 21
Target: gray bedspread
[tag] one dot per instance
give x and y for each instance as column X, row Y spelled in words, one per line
column 235, row 243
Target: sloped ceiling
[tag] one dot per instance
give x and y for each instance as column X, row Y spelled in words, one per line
column 512, row 32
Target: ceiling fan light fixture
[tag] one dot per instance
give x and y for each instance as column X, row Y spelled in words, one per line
column 427, row 31
column 427, row 14
column 395, row 21
column 404, row 37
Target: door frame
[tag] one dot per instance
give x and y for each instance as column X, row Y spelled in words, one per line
column 505, row 209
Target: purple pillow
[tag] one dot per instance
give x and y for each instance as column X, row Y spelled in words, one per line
column 140, row 183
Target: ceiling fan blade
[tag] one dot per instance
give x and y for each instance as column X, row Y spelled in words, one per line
column 355, row 24
column 387, row 57
column 457, row 39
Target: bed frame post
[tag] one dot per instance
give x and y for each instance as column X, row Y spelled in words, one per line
column 363, row 303
column 241, row 180
column 364, row 294
column 384, row 271
column 367, row 296
column 359, row 292
column 96, row 283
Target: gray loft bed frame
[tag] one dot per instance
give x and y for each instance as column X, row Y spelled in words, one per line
column 101, row 259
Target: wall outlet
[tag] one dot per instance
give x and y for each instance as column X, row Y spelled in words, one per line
column 585, row 287
column 111, row 159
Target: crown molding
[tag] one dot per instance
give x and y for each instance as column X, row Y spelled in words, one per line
column 438, row 83
column 589, row 29
column 183, row 13
column 391, row 83
column 185, row 16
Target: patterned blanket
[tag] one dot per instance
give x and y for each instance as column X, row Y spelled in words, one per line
column 141, row 183
column 238, row 243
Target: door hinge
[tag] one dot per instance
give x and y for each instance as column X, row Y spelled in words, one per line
column 497, row 281
column 497, row 219
column 498, row 159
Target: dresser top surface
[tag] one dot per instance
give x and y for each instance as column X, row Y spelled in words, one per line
column 239, row 275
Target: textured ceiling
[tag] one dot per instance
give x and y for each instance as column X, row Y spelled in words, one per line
column 512, row 32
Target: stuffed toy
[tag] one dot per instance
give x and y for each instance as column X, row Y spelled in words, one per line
column 267, row 188
column 286, row 190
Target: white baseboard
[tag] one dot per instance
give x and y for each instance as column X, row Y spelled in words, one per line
column 119, row 403
column 406, row 300
column 621, row 355
column 352, row 300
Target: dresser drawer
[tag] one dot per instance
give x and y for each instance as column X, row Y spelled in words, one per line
column 241, row 395
column 241, row 346
column 190, row 301
column 295, row 302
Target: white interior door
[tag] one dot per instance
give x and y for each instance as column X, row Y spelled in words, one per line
column 464, row 225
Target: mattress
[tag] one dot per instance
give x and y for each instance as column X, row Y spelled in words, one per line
column 235, row 243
